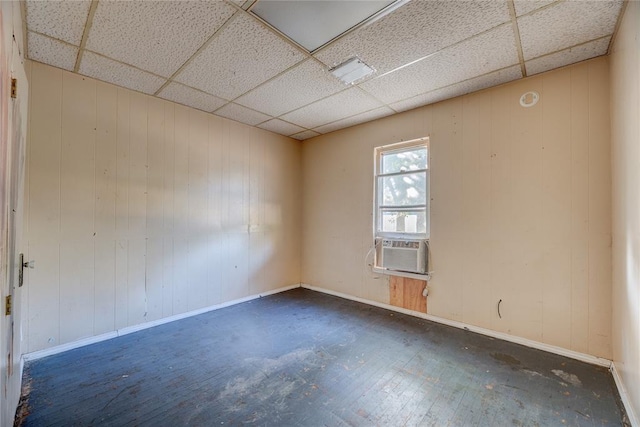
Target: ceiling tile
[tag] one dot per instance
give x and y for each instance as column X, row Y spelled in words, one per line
column 191, row 97
column 281, row 127
column 479, row 55
column 568, row 56
column 241, row 57
column 157, row 36
column 241, row 114
column 414, row 31
column 305, row 135
column 344, row 104
column 63, row 20
column 302, row 85
column 525, row 6
column 107, row 70
column 472, row 85
column 357, row 119
column 565, row 24
column 53, row 52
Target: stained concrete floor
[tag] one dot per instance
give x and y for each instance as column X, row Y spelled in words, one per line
column 301, row 358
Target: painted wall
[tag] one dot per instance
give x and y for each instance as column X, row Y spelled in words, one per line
column 13, row 129
column 521, row 208
column 140, row 209
column 625, row 141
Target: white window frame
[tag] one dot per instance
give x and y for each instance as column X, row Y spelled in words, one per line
column 399, row 147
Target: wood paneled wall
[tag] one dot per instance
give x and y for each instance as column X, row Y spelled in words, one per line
column 520, row 210
column 625, row 141
column 140, row 208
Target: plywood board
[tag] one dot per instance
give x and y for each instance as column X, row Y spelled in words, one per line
column 408, row 293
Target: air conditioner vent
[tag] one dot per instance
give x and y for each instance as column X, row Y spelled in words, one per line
column 403, row 255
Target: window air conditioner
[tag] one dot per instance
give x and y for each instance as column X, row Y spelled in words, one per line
column 404, row 255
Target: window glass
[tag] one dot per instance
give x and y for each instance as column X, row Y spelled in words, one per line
column 404, row 221
column 403, row 190
column 402, row 161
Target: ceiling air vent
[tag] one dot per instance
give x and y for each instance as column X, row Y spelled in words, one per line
column 352, row 70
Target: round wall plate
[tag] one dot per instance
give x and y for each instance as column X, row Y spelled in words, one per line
column 529, row 99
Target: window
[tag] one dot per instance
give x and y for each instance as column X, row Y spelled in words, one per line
column 402, row 190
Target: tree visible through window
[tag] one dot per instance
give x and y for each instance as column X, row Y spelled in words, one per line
column 402, row 190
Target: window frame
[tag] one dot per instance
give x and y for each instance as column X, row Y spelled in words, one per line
column 377, row 216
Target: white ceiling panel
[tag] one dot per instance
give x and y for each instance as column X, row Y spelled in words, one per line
column 241, row 114
column 414, row 31
column 493, row 50
column 110, row 71
column 302, row 85
column 313, row 23
column 344, row 104
column 525, row 6
column 568, row 56
column 53, row 52
column 193, row 98
column 241, row 57
column 156, row 36
column 357, row 119
column 281, row 127
column 305, row 135
column 63, row 20
column 566, row 24
column 469, row 86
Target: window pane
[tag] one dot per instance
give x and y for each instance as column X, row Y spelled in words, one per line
column 403, row 221
column 404, row 160
column 403, row 190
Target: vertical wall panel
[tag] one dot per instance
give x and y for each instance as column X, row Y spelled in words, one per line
column 155, row 208
column 123, row 110
column 105, row 207
column 44, row 146
column 477, row 304
column 155, row 203
column 446, row 202
column 180, row 209
column 137, row 298
column 214, row 207
column 168, row 209
column 579, row 209
column 556, row 208
column 599, row 210
column 77, row 212
column 197, row 204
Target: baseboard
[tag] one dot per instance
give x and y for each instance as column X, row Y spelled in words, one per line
column 460, row 325
column 135, row 328
column 624, row 396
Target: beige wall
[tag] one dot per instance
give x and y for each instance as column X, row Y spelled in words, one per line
column 521, row 208
column 139, row 209
column 625, row 140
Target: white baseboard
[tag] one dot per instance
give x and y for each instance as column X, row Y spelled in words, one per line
column 135, row 328
column 460, row 325
column 624, row 396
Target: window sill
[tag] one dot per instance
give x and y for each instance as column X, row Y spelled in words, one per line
column 386, row 272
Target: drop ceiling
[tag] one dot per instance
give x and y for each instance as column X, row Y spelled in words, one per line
column 235, row 59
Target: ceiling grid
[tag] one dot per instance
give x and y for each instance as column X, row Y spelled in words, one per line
column 221, row 57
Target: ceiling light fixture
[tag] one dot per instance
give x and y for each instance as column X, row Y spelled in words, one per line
column 352, row 70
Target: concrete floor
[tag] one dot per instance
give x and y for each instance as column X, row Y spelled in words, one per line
column 302, row 358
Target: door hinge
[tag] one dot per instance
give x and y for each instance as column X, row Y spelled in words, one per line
column 14, row 88
column 7, row 306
